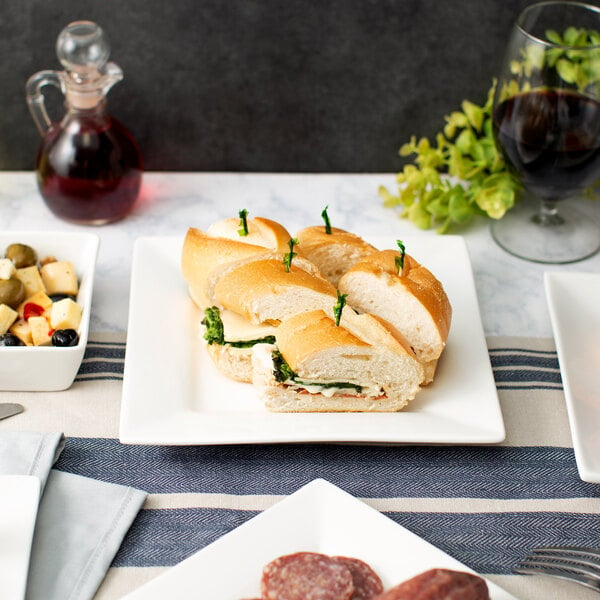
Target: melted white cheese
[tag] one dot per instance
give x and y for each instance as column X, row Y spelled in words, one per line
column 238, row 329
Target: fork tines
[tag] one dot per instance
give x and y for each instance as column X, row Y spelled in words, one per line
column 581, row 565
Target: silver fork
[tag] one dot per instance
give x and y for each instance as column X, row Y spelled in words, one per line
column 581, row 565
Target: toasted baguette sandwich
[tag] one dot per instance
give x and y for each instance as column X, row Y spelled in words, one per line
column 244, row 289
column 222, row 243
column 333, row 253
column 318, row 366
column 410, row 300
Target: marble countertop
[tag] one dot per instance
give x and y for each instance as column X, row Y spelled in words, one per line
column 510, row 290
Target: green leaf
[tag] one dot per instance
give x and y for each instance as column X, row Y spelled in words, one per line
column 459, row 209
column 474, row 114
column 567, row 70
column 214, row 333
column 419, row 216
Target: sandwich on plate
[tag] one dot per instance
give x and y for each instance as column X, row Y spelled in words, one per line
column 396, row 288
column 327, row 362
column 244, row 293
column 227, row 241
column 333, row 250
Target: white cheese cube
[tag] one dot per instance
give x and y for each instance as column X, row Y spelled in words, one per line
column 22, row 330
column 59, row 277
column 30, row 276
column 7, row 317
column 40, row 331
column 7, row 268
column 65, row 314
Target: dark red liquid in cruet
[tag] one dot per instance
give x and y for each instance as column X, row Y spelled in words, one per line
column 89, row 168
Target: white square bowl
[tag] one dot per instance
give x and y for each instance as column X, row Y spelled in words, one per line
column 50, row 368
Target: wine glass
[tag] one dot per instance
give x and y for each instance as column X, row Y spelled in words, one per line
column 546, row 121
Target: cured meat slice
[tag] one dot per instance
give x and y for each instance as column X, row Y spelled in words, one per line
column 367, row 583
column 306, row 576
column 439, row 584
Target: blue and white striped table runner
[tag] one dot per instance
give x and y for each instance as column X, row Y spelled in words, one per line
column 484, row 505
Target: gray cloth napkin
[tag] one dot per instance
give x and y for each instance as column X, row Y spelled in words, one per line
column 81, row 522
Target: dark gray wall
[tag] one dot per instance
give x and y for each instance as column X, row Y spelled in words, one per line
column 265, row 85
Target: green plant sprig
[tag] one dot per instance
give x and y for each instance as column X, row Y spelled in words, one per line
column 326, row 220
column 339, row 307
column 399, row 260
column 243, row 215
column 288, row 257
column 457, row 177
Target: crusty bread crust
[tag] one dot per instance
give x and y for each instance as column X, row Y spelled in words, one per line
column 261, row 232
column 301, row 335
column 202, row 253
column 261, row 290
column 333, row 253
column 413, row 302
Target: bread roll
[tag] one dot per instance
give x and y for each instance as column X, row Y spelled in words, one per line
column 261, row 290
column 334, row 253
column 412, row 302
column 221, row 244
column 202, row 253
column 359, row 352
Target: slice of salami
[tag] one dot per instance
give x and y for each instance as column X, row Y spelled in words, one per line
column 439, row 584
column 367, row 583
column 306, row 576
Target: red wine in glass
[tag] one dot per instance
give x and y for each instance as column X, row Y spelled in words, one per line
column 551, row 140
column 546, row 122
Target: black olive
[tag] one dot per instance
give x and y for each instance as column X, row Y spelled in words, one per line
column 65, row 337
column 58, row 297
column 8, row 339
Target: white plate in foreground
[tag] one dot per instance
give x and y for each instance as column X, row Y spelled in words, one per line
column 19, row 498
column 173, row 394
column 316, row 518
column 574, row 304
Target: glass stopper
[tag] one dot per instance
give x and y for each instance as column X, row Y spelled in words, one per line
column 83, row 49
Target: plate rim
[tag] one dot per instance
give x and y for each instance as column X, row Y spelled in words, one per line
column 588, row 472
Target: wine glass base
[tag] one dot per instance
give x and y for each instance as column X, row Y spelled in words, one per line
column 575, row 238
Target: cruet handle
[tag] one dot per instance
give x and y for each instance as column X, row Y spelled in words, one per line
column 35, row 97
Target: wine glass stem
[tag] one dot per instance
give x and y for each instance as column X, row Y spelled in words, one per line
column 548, row 214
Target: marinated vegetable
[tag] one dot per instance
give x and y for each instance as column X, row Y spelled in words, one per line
column 37, row 299
column 8, row 339
column 65, row 337
column 22, row 255
column 12, row 292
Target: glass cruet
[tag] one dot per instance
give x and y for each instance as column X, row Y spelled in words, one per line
column 89, row 167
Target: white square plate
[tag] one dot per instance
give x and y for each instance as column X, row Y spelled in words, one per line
column 574, row 304
column 47, row 368
column 19, row 499
column 173, row 394
column 319, row 517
